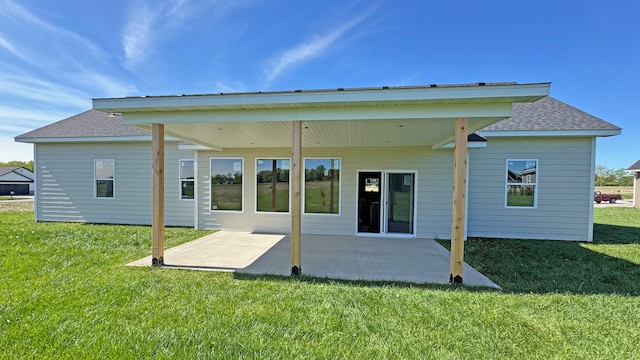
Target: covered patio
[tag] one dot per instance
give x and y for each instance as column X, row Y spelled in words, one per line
column 337, row 257
column 433, row 116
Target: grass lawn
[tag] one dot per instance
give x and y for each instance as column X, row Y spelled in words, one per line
column 64, row 293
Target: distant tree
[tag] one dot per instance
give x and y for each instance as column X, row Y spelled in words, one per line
column 612, row 177
column 26, row 165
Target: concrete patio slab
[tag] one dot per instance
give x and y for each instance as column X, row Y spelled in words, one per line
column 337, row 257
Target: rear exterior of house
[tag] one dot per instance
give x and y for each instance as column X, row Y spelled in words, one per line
column 529, row 176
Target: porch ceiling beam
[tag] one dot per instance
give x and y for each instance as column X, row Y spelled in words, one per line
column 492, row 111
column 459, row 195
column 471, row 128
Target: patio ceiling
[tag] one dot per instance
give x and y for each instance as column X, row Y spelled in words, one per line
column 407, row 116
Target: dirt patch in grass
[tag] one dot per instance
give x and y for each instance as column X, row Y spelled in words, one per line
column 15, row 205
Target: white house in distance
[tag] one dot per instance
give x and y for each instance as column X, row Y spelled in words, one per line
column 16, row 180
column 634, row 169
column 371, row 161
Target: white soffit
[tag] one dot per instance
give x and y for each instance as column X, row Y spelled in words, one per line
column 408, row 116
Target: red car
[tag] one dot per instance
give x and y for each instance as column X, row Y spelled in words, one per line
column 600, row 197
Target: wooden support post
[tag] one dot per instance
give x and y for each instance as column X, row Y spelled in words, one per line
column 157, row 219
column 332, row 173
column 636, row 190
column 459, row 195
column 274, row 185
column 296, row 201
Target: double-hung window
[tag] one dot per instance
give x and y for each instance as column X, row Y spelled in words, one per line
column 521, row 183
column 104, row 178
column 186, row 180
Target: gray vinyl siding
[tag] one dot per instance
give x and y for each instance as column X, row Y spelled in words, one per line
column 564, row 197
column 434, row 171
column 65, row 184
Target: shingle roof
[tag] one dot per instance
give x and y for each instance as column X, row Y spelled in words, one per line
column 549, row 114
column 635, row 167
column 543, row 115
column 7, row 169
column 91, row 123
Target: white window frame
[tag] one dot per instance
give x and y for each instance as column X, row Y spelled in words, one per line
column 534, row 184
column 304, row 185
column 181, row 179
column 95, row 180
column 242, row 185
column 255, row 179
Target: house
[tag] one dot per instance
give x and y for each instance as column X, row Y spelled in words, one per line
column 16, row 180
column 635, row 170
column 368, row 161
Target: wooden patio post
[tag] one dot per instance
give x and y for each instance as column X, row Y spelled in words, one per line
column 459, row 195
column 157, row 219
column 296, row 201
column 636, row 190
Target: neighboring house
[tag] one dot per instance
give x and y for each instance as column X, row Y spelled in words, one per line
column 375, row 162
column 16, row 180
column 635, row 170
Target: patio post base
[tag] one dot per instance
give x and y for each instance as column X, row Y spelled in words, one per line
column 157, row 262
column 455, row 280
column 296, row 271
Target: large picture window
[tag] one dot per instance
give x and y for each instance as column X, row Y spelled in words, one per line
column 226, row 184
column 322, row 186
column 521, row 183
column 187, row 181
column 104, row 178
column 272, row 185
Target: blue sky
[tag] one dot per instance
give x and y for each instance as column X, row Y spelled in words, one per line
column 57, row 55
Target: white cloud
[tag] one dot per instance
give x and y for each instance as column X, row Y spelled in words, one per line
column 9, row 47
column 236, row 87
column 148, row 22
column 137, row 36
column 307, row 50
column 24, row 87
column 104, row 85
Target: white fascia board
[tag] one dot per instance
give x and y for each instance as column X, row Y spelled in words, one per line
column 196, row 147
column 470, row 145
column 552, row 133
column 91, row 139
column 494, row 111
column 490, row 93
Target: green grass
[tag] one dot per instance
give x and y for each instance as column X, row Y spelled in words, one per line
column 264, row 197
column 317, row 197
column 64, row 293
column 519, row 200
column 609, row 265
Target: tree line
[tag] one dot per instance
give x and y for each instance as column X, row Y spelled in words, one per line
column 612, row 177
column 15, row 163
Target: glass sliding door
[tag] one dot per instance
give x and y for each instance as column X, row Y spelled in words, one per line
column 400, row 203
column 386, row 202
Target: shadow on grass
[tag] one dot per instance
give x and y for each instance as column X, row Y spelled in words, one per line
column 360, row 283
column 539, row 266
